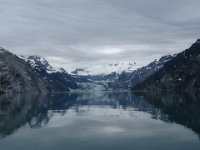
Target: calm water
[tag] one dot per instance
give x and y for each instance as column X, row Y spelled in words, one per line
column 100, row 120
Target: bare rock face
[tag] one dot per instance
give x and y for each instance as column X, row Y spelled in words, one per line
column 16, row 76
column 181, row 73
column 57, row 79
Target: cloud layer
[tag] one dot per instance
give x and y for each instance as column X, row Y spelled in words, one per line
column 79, row 33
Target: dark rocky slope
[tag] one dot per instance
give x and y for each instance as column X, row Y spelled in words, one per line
column 16, row 76
column 55, row 78
column 181, row 73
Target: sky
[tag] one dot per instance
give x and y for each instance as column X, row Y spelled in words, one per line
column 80, row 33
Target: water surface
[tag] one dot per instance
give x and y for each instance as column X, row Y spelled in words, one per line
column 100, row 120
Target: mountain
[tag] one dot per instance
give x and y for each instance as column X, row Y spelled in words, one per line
column 35, row 74
column 130, row 79
column 31, row 75
column 16, row 76
column 180, row 73
column 101, row 77
column 41, row 64
column 56, row 77
column 121, row 75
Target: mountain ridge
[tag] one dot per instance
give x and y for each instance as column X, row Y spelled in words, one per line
column 18, row 76
column 181, row 73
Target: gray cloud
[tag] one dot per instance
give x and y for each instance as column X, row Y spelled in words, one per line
column 76, row 33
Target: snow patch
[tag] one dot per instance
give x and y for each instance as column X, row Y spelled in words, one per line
column 107, row 69
column 36, row 62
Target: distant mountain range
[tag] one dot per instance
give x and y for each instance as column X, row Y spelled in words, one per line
column 106, row 69
column 120, row 76
column 120, row 79
column 35, row 74
column 127, row 80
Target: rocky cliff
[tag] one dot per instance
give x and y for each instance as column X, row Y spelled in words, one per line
column 16, row 76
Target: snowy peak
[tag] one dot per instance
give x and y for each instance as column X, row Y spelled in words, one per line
column 106, row 69
column 166, row 58
column 41, row 64
column 36, row 61
column 129, row 79
column 157, row 64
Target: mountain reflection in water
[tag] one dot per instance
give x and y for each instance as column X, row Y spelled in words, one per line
column 111, row 120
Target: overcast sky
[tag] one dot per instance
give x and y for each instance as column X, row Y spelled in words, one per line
column 78, row 33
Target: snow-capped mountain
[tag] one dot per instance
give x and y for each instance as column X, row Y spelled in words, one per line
column 103, row 77
column 131, row 79
column 106, row 69
column 31, row 75
column 41, row 63
column 117, row 76
column 41, row 67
